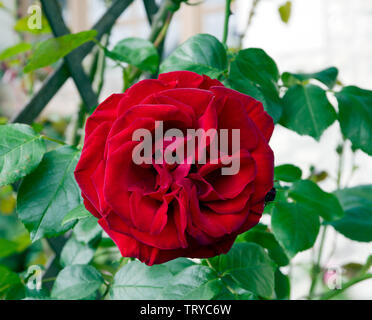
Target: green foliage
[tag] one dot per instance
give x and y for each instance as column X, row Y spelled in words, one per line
column 355, row 116
column 8, row 278
column 287, row 173
column 327, row 76
column 285, row 11
column 15, row 50
column 295, row 226
column 357, row 222
column 21, row 150
column 138, row 52
column 77, row 282
column 75, row 252
column 202, row 54
column 50, row 51
column 22, row 26
column 308, row 194
column 46, row 195
column 87, row 230
column 250, row 268
column 307, row 110
column 77, row 213
column 254, row 73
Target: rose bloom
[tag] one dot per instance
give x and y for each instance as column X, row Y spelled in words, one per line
column 160, row 212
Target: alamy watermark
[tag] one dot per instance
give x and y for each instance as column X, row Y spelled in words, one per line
column 221, row 145
column 34, row 21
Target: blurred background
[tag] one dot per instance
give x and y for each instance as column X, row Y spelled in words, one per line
column 318, row 34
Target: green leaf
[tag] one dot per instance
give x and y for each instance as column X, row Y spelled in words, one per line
column 22, row 26
column 15, row 50
column 261, row 235
column 136, row 281
column 177, row 265
column 255, row 73
column 285, row 11
column 325, row 204
column 53, row 49
column 307, row 110
column 202, row 53
column 355, row 116
column 138, row 52
column 282, row 285
column 8, row 278
column 294, row 226
column 287, row 173
column 21, row 150
column 193, row 283
column 75, row 252
column 249, row 266
column 327, row 76
column 76, row 282
column 47, row 194
column 87, row 230
column 357, row 222
column 7, row 247
column 77, row 213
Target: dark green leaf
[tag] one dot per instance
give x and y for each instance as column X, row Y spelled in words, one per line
column 287, row 173
column 261, row 235
column 177, row 265
column 136, row 281
column 8, row 278
column 202, row 54
column 7, row 247
column 77, row 213
column 53, row 49
column 75, row 252
column 46, row 195
column 249, row 266
column 294, row 226
column 14, row 50
column 254, row 73
column 327, row 76
column 137, row 52
column 21, row 150
column 355, row 116
column 282, row 285
column 308, row 194
column 193, row 283
column 357, row 222
column 87, row 230
column 307, row 110
column 76, row 282
column 285, row 11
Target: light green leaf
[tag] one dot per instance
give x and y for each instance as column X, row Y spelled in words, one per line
column 136, row 281
column 285, row 11
column 193, row 283
column 46, row 195
column 357, row 222
column 202, row 53
column 327, row 76
column 22, row 26
column 53, row 49
column 75, row 252
column 138, row 52
column 307, row 110
column 249, row 266
column 308, row 194
column 87, row 230
column 355, row 116
column 77, row 213
column 76, row 282
column 15, row 50
column 294, row 226
column 177, row 265
column 8, row 278
column 287, row 173
column 21, row 150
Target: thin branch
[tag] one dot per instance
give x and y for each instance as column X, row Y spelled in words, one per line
column 226, row 23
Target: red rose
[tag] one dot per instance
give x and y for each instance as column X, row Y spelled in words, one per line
column 157, row 213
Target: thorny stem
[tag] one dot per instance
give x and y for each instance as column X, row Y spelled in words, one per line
column 227, row 18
